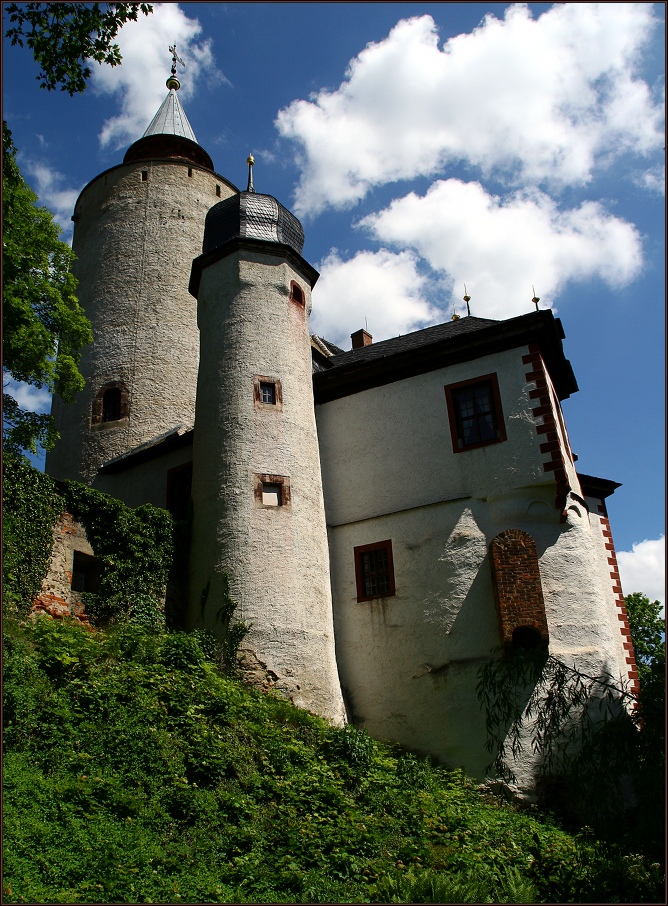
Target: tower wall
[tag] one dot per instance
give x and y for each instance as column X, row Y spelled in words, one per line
column 137, row 229
column 276, row 557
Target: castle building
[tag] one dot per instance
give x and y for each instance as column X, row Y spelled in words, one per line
column 386, row 516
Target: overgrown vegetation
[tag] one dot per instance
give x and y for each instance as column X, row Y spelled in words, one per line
column 135, row 771
column 135, row 546
column 30, row 507
column 598, row 748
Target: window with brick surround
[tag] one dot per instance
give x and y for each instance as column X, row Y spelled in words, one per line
column 272, row 491
column 111, row 404
column 518, row 592
column 267, row 392
column 374, row 571
column 297, row 293
column 474, row 412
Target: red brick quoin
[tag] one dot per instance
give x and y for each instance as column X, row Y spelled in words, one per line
column 551, row 448
column 518, row 592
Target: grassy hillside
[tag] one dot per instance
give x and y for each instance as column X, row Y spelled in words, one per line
column 135, row 771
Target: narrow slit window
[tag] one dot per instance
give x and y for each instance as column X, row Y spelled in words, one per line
column 144, row 175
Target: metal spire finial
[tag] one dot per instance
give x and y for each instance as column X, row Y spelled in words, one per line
column 535, row 299
column 467, row 299
column 172, row 81
column 250, row 160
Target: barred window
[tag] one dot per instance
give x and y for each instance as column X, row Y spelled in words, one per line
column 374, row 571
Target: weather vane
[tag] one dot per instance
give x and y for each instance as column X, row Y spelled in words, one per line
column 172, row 81
column 175, row 59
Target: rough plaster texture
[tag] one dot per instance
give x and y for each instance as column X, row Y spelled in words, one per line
column 408, row 663
column 57, row 597
column 135, row 240
column 276, row 557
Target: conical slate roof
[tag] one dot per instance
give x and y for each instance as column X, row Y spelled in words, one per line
column 169, row 135
column 171, row 119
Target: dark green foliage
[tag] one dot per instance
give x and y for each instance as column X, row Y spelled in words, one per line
column 648, row 633
column 134, row 771
column 598, row 748
column 233, row 632
column 64, row 36
column 44, row 327
column 30, row 507
column 135, row 547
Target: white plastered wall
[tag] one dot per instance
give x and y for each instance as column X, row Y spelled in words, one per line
column 409, row 663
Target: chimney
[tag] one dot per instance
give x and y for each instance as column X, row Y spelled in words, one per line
column 361, row 338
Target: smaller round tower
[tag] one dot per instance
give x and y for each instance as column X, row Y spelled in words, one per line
column 257, row 492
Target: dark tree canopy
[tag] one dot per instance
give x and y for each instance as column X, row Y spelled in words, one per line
column 64, row 36
column 647, row 633
column 44, row 327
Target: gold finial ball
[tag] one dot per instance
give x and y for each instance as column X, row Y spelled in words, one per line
column 467, row 298
column 250, row 160
column 173, row 82
column 456, row 317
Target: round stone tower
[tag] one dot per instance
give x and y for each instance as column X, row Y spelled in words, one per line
column 257, row 493
column 137, row 228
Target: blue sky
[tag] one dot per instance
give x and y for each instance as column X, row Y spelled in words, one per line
column 426, row 146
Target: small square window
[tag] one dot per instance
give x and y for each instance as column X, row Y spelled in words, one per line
column 272, row 491
column 374, row 571
column 474, row 410
column 267, row 392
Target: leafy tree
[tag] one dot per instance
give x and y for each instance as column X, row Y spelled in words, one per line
column 44, row 326
column 647, row 633
column 64, row 36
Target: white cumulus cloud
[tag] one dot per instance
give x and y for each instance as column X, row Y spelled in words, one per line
column 53, row 192
column 643, row 569
column 381, row 291
column 540, row 100
column 139, row 82
column 30, row 398
column 499, row 247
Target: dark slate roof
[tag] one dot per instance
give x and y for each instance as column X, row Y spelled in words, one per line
column 408, row 341
column 597, row 487
column 181, row 436
column 442, row 345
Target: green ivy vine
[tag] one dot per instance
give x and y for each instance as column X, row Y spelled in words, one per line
column 30, row 506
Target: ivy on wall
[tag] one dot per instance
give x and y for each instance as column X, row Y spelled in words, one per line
column 30, row 507
column 134, row 546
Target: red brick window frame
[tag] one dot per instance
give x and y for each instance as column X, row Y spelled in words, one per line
column 374, row 571
column 297, row 294
column 267, row 392
column 179, row 490
column 266, row 486
column 112, row 404
column 475, row 413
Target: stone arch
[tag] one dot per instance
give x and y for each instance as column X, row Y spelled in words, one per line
column 111, row 404
column 518, row 593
